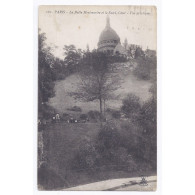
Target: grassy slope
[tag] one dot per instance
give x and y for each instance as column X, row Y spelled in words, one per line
column 131, row 84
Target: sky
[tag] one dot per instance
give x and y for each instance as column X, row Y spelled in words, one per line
column 82, row 25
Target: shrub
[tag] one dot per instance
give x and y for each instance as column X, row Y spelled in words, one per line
column 83, row 116
column 116, row 114
column 86, row 156
column 45, row 111
column 65, row 116
column 75, row 109
column 109, row 137
column 141, row 135
column 146, row 68
column 109, row 110
column 131, row 105
column 130, row 137
column 148, row 121
column 94, row 114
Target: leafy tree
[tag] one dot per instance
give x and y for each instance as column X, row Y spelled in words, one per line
column 45, row 74
column 139, row 52
column 146, row 68
column 72, row 57
column 148, row 120
column 97, row 81
column 142, row 70
column 59, row 70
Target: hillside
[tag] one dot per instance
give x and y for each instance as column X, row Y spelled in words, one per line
column 131, row 84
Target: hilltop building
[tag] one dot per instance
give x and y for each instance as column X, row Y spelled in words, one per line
column 108, row 39
column 109, row 42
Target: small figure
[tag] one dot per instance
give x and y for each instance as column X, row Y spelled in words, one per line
column 57, row 118
column 53, row 119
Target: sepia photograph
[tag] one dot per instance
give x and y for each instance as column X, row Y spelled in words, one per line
column 97, row 98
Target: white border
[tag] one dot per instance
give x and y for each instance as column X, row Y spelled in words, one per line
column 156, row 3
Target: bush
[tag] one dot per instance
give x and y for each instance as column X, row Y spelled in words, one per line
column 65, row 116
column 130, row 137
column 94, row 114
column 116, row 114
column 83, row 116
column 109, row 110
column 131, row 105
column 113, row 151
column 148, row 121
column 75, row 109
column 109, row 137
column 45, row 111
column 141, row 135
column 146, row 68
column 86, row 156
column 139, row 53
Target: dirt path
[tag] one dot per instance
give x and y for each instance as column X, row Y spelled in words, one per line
column 124, row 184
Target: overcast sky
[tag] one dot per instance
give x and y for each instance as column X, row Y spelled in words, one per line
column 65, row 25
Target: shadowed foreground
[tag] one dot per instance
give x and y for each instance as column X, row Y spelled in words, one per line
column 63, row 142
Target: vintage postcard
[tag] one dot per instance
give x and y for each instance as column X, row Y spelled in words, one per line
column 97, row 98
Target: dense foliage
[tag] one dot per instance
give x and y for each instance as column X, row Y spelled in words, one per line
column 96, row 79
column 51, row 69
column 146, row 68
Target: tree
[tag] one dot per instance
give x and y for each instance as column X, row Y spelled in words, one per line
column 146, row 68
column 125, row 43
column 72, row 57
column 139, row 52
column 148, row 120
column 45, row 73
column 96, row 79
